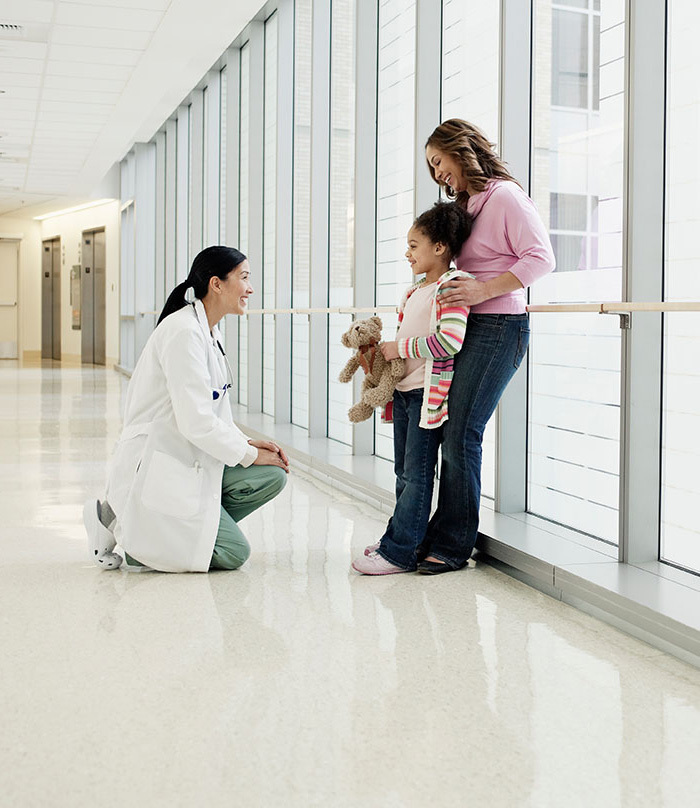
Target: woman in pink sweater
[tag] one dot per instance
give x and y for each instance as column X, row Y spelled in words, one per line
column 507, row 251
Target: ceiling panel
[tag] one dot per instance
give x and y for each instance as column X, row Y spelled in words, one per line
column 98, row 56
column 62, row 68
column 66, row 138
column 21, row 117
column 19, row 80
column 10, row 103
column 55, row 119
column 9, row 65
column 14, row 11
column 152, row 5
column 100, row 37
column 82, row 83
column 76, row 107
column 104, row 16
column 86, row 97
column 22, row 50
column 12, row 97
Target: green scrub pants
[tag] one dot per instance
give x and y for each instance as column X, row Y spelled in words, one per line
column 243, row 490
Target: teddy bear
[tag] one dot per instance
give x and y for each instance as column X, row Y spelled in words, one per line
column 380, row 376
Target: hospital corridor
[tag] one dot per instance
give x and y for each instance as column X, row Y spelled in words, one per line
column 349, row 404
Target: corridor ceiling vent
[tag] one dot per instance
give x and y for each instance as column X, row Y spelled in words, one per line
column 15, row 32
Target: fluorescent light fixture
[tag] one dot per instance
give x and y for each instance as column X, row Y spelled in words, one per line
column 72, row 210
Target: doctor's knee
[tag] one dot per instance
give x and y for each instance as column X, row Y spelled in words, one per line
column 278, row 479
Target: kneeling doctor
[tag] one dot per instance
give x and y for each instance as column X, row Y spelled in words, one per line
column 183, row 475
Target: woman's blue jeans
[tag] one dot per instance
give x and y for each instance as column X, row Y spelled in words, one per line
column 493, row 349
column 415, row 460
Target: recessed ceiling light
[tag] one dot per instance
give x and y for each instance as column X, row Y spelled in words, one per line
column 73, row 210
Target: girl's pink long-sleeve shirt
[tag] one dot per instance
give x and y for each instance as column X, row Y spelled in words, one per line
column 508, row 235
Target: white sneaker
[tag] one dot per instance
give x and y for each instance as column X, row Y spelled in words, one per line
column 374, row 564
column 109, row 561
column 101, row 541
column 372, row 548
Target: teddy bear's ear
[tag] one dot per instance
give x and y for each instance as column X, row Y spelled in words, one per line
column 376, row 321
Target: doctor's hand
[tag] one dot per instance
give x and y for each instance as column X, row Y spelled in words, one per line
column 270, row 454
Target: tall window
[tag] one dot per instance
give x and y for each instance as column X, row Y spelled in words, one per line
column 269, row 213
column 578, row 109
column 207, row 157
column 183, row 194
column 395, row 180
column 680, row 533
column 342, row 210
column 301, row 213
column 470, row 84
column 243, row 168
column 470, row 64
column 223, row 122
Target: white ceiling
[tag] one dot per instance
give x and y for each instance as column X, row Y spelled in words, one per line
column 83, row 80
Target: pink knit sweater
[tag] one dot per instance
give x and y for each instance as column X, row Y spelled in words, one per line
column 508, row 235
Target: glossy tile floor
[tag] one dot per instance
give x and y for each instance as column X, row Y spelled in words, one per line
column 295, row 682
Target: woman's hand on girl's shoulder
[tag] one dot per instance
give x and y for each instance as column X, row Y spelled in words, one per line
column 464, row 292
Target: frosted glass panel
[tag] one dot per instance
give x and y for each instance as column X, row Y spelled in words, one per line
column 470, row 88
column 395, row 179
column 302, row 206
column 243, row 157
column 342, row 210
column 470, row 64
column 578, row 107
column 222, row 159
column 269, row 213
column 680, row 533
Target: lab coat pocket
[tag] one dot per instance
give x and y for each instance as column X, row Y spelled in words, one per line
column 172, row 487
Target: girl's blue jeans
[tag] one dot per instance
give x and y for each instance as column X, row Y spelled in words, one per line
column 415, row 460
column 493, row 349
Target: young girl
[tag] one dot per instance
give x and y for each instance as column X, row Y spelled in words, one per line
column 429, row 335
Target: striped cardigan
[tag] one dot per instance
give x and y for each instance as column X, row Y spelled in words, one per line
column 448, row 325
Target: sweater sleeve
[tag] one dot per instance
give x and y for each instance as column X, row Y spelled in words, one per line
column 525, row 235
column 446, row 341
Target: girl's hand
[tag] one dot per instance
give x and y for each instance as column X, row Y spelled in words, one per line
column 270, row 454
column 390, row 350
column 464, row 292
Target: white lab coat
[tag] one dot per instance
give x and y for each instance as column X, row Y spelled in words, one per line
column 164, row 482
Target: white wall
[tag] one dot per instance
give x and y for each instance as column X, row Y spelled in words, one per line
column 29, row 292
column 70, row 228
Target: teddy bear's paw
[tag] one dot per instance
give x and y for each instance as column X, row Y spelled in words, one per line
column 360, row 412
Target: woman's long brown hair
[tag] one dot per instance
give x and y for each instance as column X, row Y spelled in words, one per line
column 468, row 145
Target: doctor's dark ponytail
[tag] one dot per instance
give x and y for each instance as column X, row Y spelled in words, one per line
column 211, row 262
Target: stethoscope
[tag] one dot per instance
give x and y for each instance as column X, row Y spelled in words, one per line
column 219, row 393
column 215, row 393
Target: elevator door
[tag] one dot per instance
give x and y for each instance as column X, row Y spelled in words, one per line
column 9, row 263
column 92, row 297
column 51, row 299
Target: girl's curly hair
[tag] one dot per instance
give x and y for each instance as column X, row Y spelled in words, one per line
column 446, row 223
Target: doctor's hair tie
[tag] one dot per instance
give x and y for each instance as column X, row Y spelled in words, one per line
column 190, row 296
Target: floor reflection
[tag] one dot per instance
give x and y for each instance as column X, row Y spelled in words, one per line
column 295, row 681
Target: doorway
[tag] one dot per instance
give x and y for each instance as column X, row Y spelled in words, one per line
column 9, row 265
column 92, row 297
column 51, row 299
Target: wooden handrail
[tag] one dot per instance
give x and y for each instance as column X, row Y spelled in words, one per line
column 621, row 307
